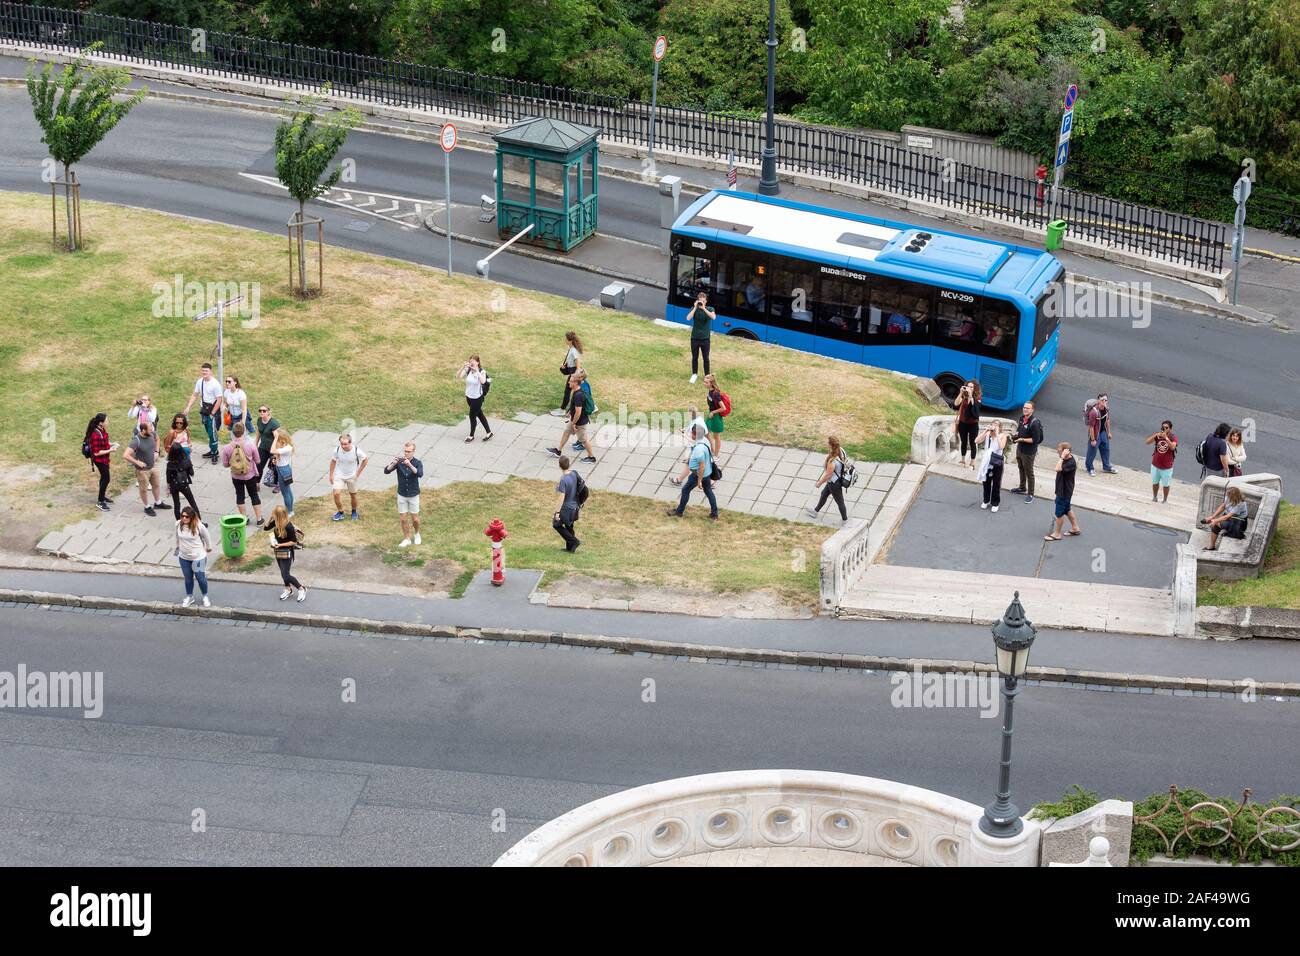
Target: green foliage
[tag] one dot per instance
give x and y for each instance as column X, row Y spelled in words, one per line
column 305, row 145
column 78, row 109
column 1075, row 800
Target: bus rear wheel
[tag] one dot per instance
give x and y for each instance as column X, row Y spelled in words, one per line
column 949, row 386
column 744, row 334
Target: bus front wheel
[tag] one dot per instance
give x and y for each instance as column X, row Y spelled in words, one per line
column 744, row 334
column 949, row 386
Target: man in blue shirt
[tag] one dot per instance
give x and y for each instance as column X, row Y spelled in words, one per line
column 701, row 468
column 566, row 506
column 409, row 472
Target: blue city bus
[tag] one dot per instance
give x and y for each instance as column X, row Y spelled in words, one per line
column 868, row 290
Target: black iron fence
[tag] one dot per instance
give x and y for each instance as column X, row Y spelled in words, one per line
column 834, row 154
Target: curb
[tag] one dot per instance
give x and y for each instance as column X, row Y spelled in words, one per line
column 1247, row 621
column 630, row 645
column 1218, row 310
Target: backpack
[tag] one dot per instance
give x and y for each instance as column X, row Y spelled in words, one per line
column 725, row 410
column 1200, row 451
column 85, row 449
column 583, row 492
column 848, row 472
column 238, row 460
column 1088, row 406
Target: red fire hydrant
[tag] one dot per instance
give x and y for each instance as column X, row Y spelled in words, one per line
column 497, row 533
column 1041, row 176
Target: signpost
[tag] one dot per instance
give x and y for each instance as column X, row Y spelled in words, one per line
column 1063, row 142
column 219, row 310
column 1240, row 192
column 661, row 47
column 447, row 140
column 731, row 171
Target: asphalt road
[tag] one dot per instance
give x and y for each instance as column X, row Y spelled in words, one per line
column 250, row 726
column 182, row 158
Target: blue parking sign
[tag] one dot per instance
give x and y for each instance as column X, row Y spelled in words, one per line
column 1062, row 152
column 1067, row 123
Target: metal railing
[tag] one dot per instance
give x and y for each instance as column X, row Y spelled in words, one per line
column 835, row 154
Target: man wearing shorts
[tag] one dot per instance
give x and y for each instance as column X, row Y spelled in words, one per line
column 1065, row 470
column 581, row 407
column 142, row 454
column 240, row 456
column 346, row 465
column 1162, row 459
column 409, row 472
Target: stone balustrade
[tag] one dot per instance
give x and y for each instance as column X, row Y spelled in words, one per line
column 933, row 438
column 828, row 814
column 845, row 555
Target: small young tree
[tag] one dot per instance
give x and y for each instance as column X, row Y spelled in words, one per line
column 305, row 145
column 76, row 110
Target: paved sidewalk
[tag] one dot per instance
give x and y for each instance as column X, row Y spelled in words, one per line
column 763, row 480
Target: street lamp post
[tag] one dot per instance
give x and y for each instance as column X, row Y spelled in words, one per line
column 1013, row 635
column 768, row 184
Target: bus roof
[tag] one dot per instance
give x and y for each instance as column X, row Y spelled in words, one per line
column 865, row 242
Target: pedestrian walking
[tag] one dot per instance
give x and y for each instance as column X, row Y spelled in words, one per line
column 180, row 475
column 282, row 465
column 701, row 318
column 193, row 545
column 1162, row 459
column 409, row 472
column 143, row 411
column 719, row 403
column 966, row 421
column 693, row 418
column 572, row 362
column 179, row 435
column 142, row 454
column 570, row 491
column 1066, row 467
column 702, row 475
column 581, row 407
column 1029, row 435
column 266, row 429
column 234, row 405
column 1213, row 452
column 99, row 449
column 207, row 392
column 1229, row 519
column 995, row 458
column 240, row 456
column 346, row 465
column 1236, row 453
column 832, row 480
column 477, row 383
column 1096, row 415
column 285, row 542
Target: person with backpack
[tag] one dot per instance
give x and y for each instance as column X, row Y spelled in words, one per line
column 477, row 383
column 836, row 476
column 581, row 407
column 572, row 362
column 1212, row 453
column 1096, row 417
column 97, row 447
column 285, row 541
column 693, row 418
column 719, row 408
column 704, row 471
column 571, row 493
column 1029, row 435
column 1162, row 459
column 966, row 421
column 240, row 456
column 701, row 318
column 193, row 545
column 180, row 475
column 346, row 465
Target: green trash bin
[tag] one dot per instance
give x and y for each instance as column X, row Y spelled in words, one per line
column 1055, row 233
column 234, row 529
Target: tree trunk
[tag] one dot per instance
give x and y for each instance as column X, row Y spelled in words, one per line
column 302, row 261
column 67, row 205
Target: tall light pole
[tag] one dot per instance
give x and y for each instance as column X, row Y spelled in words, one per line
column 1013, row 635
column 768, row 184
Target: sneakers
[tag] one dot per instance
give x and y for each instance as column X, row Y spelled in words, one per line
column 148, row 509
column 674, row 513
column 995, row 509
column 1091, row 473
column 1112, row 471
column 1029, row 499
column 558, row 412
column 693, row 378
column 984, row 506
column 488, row 436
column 188, row 602
column 813, row 511
column 577, row 446
column 206, row 602
column 338, row 516
column 404, row 543
column 590, row 460
column 284, row 595
column 102, row 505
column 417, row 537
column 1018, row 491
column 355, row 516
column 554, row 452
column 576, row 545
column 302, row 595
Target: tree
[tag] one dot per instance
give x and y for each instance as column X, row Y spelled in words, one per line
column 305, row 145
column 76, row 111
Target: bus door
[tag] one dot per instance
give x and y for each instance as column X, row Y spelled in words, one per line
column 897, row 332
column 793, row 297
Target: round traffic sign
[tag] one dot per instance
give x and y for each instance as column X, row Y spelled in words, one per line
column 1071, row 95
column 661, row 47
column 448, row 138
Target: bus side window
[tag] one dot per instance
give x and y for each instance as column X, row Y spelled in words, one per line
column 694, row 274
column 1001, row 329
column 957, row 324
column 841, row 307
column 793, row 292
column 749, row 288
column 899, row 313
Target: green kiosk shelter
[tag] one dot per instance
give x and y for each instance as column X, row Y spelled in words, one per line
column 546, row 176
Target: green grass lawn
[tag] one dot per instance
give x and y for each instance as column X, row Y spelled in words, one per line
column 1278, row 584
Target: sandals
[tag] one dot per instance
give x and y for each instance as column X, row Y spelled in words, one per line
column 1073, row 534
column 1050, row 537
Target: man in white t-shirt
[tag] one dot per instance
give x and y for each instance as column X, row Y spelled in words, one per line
column 208, row 392
column 346, row 465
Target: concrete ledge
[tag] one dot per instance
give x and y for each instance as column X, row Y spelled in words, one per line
column 1065, row 842
column 1242, row 623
